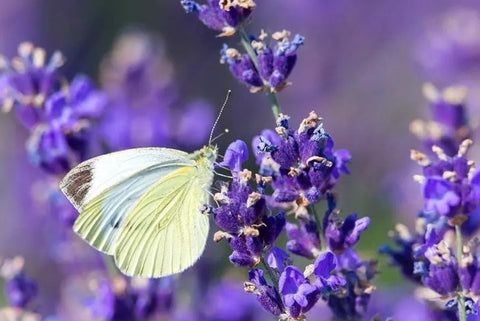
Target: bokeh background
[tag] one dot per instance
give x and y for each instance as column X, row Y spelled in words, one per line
column 361, row 69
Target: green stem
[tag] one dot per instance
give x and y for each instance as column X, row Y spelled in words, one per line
column 251, row 52
column 461, row 298
column 3, row 297
column 271, row 275
column 110, row 265
column 319, row 226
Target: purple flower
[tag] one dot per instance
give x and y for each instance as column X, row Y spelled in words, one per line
column 441, row 279
column 274, row 63
column 48, row 148
column 242, row 216
column 266, row 294
column 342, row 235
column 303, row 238
column 276, row 258
column 301, row 163
column 224, row 16
column 440, row 196
column 27, row 81
column 236, row 154
column 20, row 289
column 325, row 264
column 450, row 125
column 299, row 295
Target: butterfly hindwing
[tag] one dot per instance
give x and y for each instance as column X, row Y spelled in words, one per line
column 165, row 232
column 104, row 189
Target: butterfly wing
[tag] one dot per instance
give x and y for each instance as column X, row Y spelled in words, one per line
column 165, row 233
column 104, row 189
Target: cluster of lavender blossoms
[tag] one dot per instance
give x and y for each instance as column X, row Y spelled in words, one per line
column 298, row 169
column 432, row 256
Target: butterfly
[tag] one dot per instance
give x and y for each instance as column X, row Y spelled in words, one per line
column 143, row 206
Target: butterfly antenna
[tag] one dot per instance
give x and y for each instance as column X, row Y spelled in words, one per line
column 226, row 131
column 218, row 117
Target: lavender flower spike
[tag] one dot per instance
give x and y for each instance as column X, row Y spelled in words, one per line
column 225, row 16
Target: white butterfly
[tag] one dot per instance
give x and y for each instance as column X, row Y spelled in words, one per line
column 143, row 206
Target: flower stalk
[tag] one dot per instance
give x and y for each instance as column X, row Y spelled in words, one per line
column 461, row 298
column 271, row 275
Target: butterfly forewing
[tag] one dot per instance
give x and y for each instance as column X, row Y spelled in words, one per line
column 165, row 232
column 105, row 189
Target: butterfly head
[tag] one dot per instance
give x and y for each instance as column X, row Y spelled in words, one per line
column 207, row 154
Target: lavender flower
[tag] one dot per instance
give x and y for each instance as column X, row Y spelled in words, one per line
column 449, row 125
column 242, row 214
column 20, row 289
column 122, row 299
column 235, row 155
column 224, row 16
column 58, row 119
column 303, row 238
column 27, row 82
column 302, row 163
column 340, row 235
column 276, row 258
column 272, row 65
column 266, row 294
column 450, row 185
column 325, row 264
column 299, row 296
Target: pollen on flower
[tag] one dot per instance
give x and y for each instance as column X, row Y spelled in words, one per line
column 450, row 175
column 464, row 147
column 221, row 198
column 246, row 4
column 419, row 157
column 294, row 172
column 440, row 152
column 319, row 159
column 259, row 179
column 245, row 175
column 263, row 35
column 11, row 267
column 302, row 201
column 221, row 235
column 253, row 198
column 402, row 231
column 281, row 35
column 430, row 92
column 419, row 178
column 311, row 121
column 250, row 231
column 249, row 287
column 455, row 95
